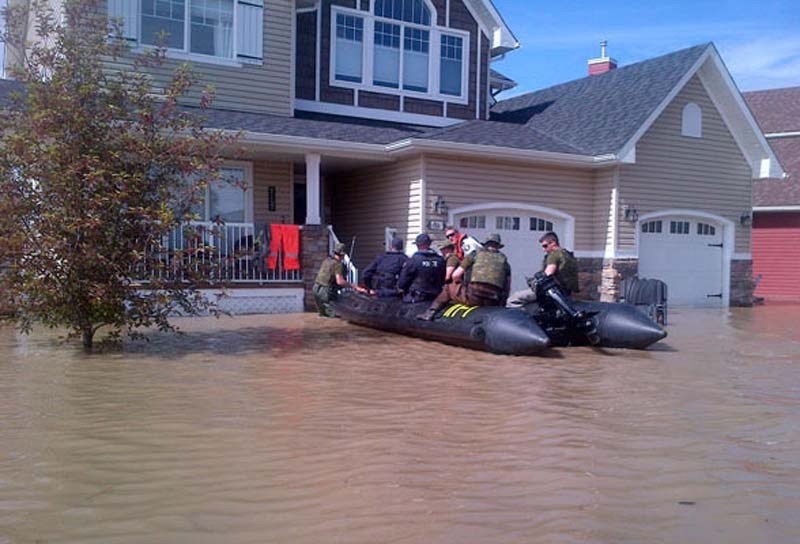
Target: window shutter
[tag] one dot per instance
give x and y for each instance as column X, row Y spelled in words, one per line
column 129, row 13
column 250, row 31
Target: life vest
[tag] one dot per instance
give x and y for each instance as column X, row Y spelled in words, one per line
column 465, row 244
column 489, row 267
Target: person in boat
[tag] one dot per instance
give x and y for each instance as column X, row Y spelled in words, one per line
column 422, row 276
column 557, row 262
column 381, row 276
column 489, row 280
column 463, row 242
column 451, row 260
column 330, row 279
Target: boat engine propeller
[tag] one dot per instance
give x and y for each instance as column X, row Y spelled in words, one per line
column 556, row 305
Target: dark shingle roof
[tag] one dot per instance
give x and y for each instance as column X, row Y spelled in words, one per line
column 776, row 110
column 310, row 125
column 501, row 134
column 784, row 192
column 599, row 114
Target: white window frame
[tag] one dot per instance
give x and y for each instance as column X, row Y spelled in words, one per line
column 185, row 53
column 434, row 57
column 247, row 167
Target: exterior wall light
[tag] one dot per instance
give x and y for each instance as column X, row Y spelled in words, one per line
column 439, row 205
column 630, row 213
column 746, row 219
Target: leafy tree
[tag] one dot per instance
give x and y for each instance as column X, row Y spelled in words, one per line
column 93, row 179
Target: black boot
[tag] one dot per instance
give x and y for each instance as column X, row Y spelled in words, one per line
column 427, row 315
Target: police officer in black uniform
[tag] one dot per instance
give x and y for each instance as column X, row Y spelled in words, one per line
column 382, row 274
column 422, row 277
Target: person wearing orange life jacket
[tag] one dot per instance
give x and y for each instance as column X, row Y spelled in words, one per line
column 463, row 242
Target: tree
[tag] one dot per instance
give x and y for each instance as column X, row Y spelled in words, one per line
column 94, row 176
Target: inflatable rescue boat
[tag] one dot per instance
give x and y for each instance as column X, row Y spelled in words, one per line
column 554, row 320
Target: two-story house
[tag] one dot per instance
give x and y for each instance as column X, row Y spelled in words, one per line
column 378, row 117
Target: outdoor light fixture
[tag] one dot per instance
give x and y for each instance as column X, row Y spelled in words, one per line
column 746, row 219
column 439, row 205
column 630, row 213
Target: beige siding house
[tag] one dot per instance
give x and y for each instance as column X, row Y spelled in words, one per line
column 357, row 135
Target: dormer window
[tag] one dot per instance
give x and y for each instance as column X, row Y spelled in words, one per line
column 398, row 49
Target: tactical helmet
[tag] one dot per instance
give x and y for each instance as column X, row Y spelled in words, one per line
column 493, row 238
column 340, row 249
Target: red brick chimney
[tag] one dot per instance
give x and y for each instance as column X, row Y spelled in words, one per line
column 603, row 63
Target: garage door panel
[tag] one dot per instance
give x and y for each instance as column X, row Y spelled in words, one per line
column 685, row 253
column 520, row 232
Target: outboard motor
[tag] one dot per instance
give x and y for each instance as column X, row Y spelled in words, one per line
column 554, row 301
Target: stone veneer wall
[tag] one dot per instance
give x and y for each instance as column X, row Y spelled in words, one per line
column 613, row 272
column 589, row 278
column 314, row 240
column 742, row 285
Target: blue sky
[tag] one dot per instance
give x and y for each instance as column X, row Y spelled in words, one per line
column 758, row 40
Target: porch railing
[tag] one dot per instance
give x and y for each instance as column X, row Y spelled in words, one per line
column 230, row 252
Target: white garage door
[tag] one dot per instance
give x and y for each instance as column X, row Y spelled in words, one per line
column 686, row 253
column 520, row 232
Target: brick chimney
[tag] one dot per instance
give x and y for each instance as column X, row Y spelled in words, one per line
column 603, row 63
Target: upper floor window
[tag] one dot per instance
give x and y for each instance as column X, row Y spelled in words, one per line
column 398, row 46
column 204, row 27
column 692, row 121
column 198, row 29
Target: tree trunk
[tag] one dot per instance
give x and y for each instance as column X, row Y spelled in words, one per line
column 88, row 337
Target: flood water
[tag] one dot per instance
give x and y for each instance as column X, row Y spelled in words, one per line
column 298, row 429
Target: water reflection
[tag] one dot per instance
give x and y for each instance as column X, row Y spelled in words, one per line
column 301, row 429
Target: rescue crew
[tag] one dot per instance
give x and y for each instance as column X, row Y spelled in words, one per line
column 330, row 279
column 422, row 277
column 488, row 284
column 381, row 276
column 559, row 262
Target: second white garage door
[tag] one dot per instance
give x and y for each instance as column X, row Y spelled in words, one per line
column 687, row 254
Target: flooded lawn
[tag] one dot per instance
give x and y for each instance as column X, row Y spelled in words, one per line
column 297, row 429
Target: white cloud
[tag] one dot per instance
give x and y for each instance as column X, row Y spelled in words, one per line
column 764, row 63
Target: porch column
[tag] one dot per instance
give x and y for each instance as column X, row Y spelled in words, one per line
column 312, row 189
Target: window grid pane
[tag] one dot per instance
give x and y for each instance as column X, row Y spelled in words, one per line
column 386, row 67
column 212, row 27
column 165, row 16
column 410, row 11
column 416, row 43
column 450, row 69
column 349, row 52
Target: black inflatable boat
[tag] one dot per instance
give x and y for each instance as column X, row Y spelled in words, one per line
column 555, row 321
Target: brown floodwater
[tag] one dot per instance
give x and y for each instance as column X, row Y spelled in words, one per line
column 298, row 429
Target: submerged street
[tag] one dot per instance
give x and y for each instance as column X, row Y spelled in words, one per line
column 299, row 429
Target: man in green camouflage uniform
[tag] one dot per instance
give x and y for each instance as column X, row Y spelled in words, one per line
column 489, row 280
column 330, row 278
column 451, row 260
column 558, row 261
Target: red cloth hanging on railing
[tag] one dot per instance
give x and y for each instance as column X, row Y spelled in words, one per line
column 284, row 241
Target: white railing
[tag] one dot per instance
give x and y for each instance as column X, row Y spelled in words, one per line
column 233, row 252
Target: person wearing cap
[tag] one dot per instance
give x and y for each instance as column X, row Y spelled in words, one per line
column 489, row 280
column 382, row 274
column 451, row 260
column 422, row 277
column 330, row 278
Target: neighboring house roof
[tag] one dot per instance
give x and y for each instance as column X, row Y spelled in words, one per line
column 778, row 112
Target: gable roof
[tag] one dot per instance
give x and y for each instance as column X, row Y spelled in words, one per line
column 599, row 114
column 778, row 113
column 776, row 110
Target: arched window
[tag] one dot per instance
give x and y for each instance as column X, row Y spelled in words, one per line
column 692, row 121
column 410, row 11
